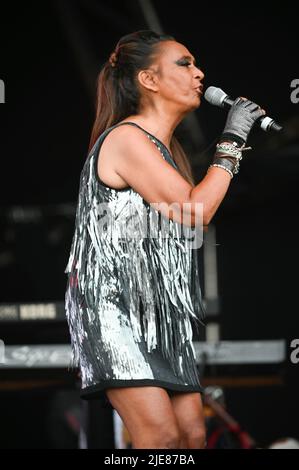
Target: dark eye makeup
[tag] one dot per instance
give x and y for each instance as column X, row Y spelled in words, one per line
column 185, row 62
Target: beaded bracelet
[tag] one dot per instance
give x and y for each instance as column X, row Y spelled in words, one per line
column 223, row 167
column 231, row 150
column 232, row 147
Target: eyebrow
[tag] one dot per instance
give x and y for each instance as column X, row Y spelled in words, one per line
column 188, row 57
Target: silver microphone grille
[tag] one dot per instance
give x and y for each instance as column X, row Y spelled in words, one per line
column 215, row 95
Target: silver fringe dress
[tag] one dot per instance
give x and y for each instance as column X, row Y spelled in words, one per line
column 130, row 301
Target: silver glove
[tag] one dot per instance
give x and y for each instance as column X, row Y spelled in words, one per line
column 241, row 117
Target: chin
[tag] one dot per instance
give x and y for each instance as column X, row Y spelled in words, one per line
column 190, row 106
column 195, row 105
column 197, row 100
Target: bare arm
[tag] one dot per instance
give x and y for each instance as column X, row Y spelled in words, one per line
column 211, row 191
column 140, row 164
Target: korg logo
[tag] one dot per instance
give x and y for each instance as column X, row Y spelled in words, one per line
column 2, row 92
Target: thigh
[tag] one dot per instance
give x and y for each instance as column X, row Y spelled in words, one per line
column 144, row 410
column 188, row 409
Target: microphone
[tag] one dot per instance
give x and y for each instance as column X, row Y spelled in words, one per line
column 218, row 97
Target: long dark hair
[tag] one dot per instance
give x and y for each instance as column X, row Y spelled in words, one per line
column 118, row 95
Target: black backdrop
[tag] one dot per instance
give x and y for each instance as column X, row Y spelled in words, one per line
column 45, row 126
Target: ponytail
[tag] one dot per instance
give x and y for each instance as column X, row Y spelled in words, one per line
column 118, row 94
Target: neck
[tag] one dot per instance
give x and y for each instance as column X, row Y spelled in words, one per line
column 158, row 122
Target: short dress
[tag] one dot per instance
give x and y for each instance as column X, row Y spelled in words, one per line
column 133, row 291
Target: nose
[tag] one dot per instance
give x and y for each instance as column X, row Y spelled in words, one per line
column 198, row 73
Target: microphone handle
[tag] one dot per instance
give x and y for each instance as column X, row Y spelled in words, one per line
column 227, row 102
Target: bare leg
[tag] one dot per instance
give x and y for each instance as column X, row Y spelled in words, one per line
column 148, row 415
column 189, row 412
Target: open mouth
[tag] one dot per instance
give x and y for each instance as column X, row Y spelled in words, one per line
column 199, row 89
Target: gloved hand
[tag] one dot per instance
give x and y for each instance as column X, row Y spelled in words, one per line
column 241, row 117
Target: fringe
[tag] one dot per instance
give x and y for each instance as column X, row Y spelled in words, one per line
column 159, row 274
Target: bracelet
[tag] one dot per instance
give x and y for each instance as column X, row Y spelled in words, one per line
column 231, row 150
column 223, row 167
column 228, row 136
column 228, row 162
